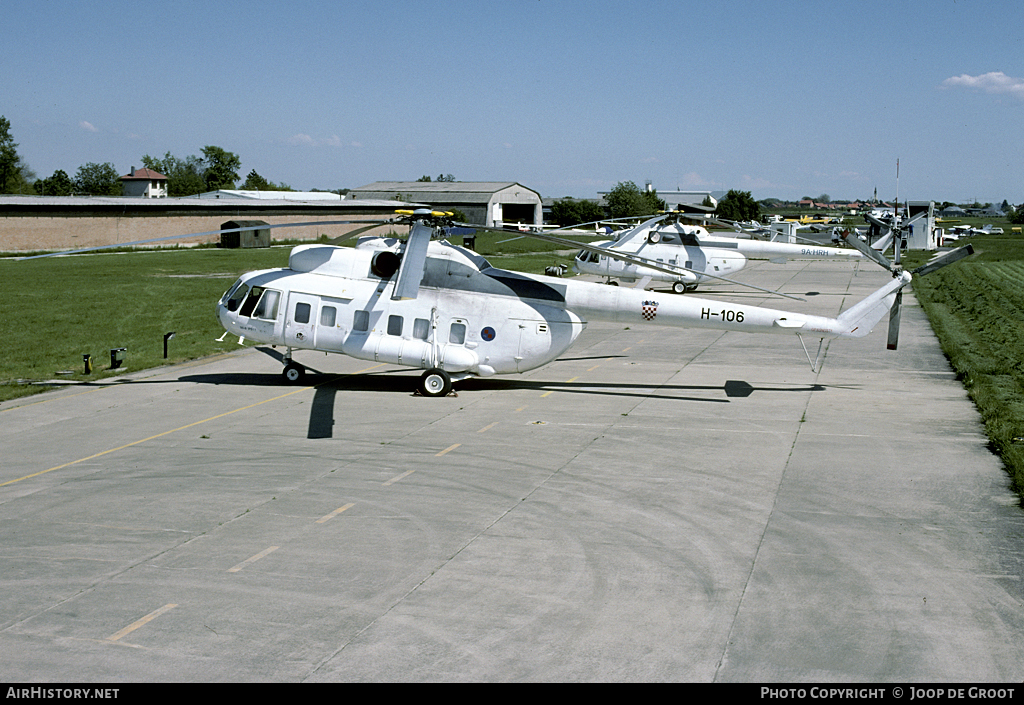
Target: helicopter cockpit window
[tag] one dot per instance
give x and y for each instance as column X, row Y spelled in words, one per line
column 457, row 334
column 250, row 301
column 234, row 299
column 267, row 307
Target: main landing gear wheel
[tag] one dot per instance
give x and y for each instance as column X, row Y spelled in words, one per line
column 435, row 383
column 294, row 372
column 679, row 287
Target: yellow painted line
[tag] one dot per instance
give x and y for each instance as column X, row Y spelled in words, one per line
column 336, row 512
column 573, row 379
column 396, row 478
column 253, row 559
column 593, row 368
column 625, row 349
column 145, row 620
column 159, row 435
column 447, row 450
column 518, row 410
column 488, row 427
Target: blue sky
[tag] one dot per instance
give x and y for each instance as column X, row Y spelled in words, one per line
column 782, row 99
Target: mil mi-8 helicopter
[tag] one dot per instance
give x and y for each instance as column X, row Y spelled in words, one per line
column 693, row 254
column 429, row 304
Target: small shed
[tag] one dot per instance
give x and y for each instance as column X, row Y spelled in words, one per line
column 245, row 238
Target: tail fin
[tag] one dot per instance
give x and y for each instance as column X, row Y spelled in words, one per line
column 858, row 320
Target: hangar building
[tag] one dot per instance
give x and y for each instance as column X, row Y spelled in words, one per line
column 483, row 202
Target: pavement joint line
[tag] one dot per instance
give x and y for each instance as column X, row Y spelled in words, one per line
column 159, row 435
column 138, row 623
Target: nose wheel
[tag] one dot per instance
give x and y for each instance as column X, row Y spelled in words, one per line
column 435, row 383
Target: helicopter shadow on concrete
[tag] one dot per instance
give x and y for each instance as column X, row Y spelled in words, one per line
column 328, row 385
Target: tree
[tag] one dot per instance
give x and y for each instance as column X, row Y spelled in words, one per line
column 626, row 200
column 59, row 184
column 98, row 179
column 255, row 182
column 738, row 205
column 15, row 174
column 424, row 179
column 569, row 211
column 221, row 168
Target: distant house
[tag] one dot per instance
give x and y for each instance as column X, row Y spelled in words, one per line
column 144, row 183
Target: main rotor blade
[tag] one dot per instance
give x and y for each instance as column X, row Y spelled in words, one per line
column 940, row 261
column 865, row 250
column 210, row 232
column 410, row 273
column 358, row 231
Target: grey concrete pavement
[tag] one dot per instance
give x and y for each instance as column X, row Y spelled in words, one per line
column 657, row 505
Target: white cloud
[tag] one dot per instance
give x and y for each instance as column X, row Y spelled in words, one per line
column 88, row 126
column 304, row 140
column 992, row 82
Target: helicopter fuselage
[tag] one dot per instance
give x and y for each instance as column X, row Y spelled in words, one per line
column 468, row 318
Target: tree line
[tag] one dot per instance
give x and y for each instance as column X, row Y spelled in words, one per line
column 216, row 169
column 627, row 200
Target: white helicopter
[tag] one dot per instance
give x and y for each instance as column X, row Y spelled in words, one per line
column 689, row 253
column 431, row 305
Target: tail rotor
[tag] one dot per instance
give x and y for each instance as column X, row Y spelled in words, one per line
column 937, row 262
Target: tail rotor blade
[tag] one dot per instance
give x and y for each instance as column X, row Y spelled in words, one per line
column 894, row 321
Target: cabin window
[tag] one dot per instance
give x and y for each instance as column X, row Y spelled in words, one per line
column 361, row 321
column 267, row 307
column 395, row 325
column 302, row 311
column 457, row 334
column 328, row 316
column 420, row 328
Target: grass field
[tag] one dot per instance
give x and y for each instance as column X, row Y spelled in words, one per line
column 976, row 308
